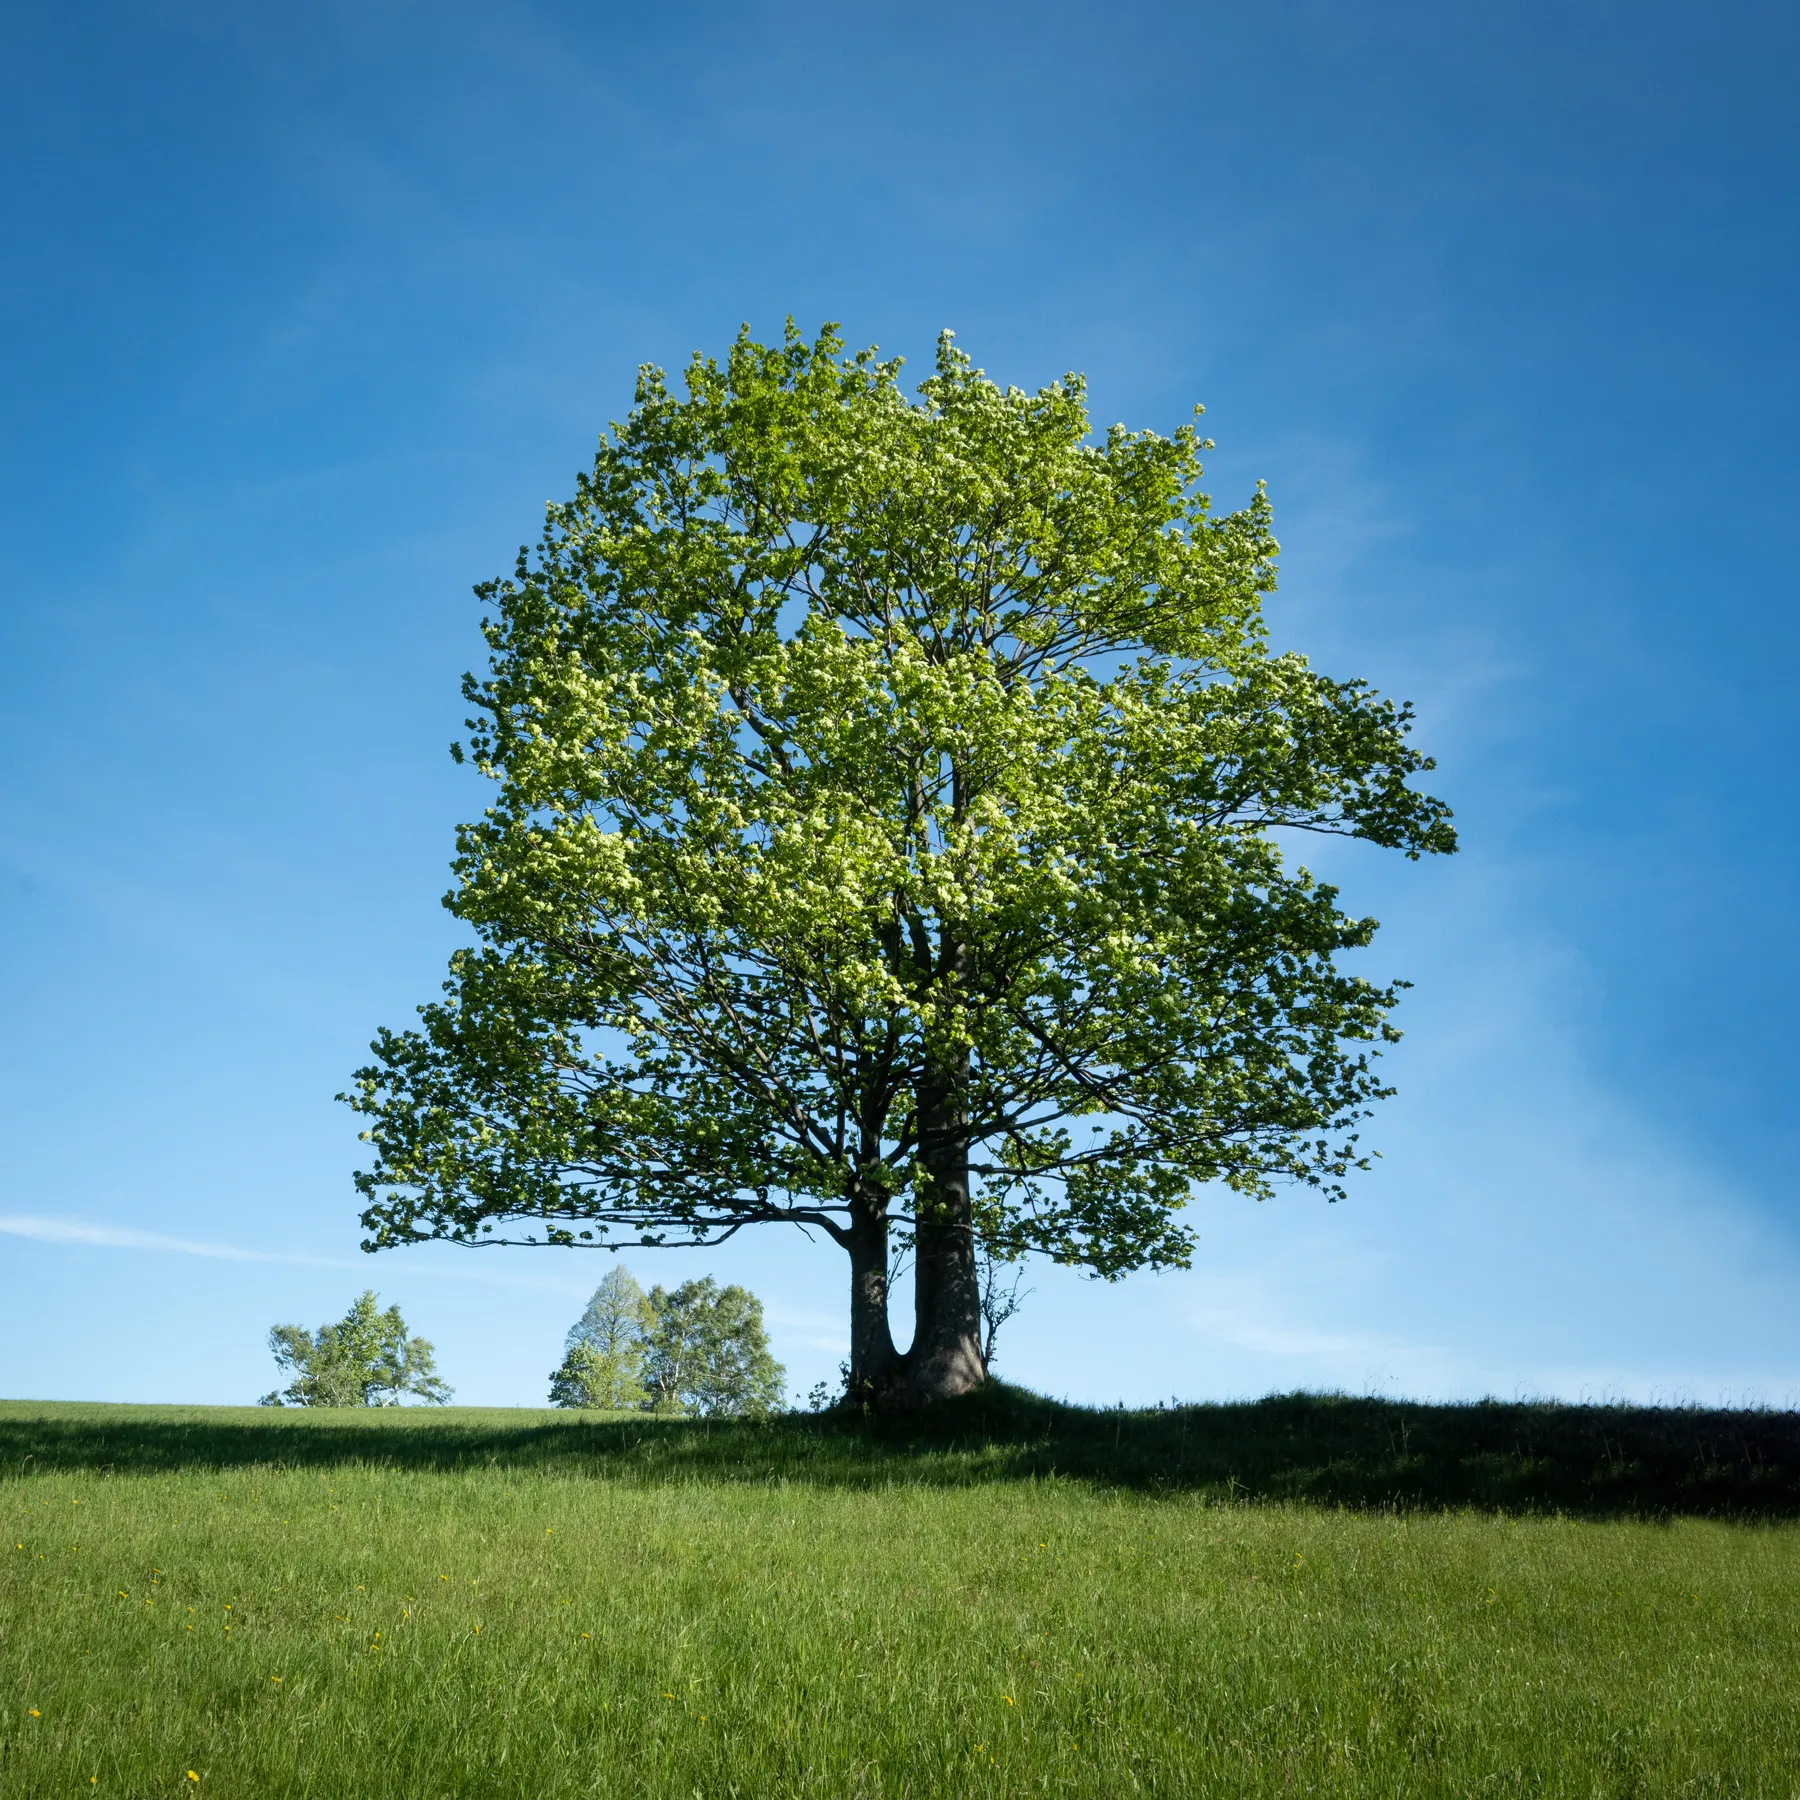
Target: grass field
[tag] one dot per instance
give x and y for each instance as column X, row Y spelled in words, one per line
column 1305, row 1595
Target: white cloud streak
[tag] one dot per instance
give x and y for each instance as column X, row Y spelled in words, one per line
column 125, row 1237
column 77, row 1233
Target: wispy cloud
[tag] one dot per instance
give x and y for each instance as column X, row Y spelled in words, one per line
column 126, row 1237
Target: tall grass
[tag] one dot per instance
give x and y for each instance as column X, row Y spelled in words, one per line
column 523, row 1604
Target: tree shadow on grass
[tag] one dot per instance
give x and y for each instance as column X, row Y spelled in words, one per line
column 1332, row 1450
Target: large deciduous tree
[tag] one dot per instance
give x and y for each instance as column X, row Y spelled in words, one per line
column 885, row 843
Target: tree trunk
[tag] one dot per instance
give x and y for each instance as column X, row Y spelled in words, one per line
column 945, row 1358
column 872, row 1355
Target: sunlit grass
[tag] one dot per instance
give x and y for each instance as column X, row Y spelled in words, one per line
column 555, row 1630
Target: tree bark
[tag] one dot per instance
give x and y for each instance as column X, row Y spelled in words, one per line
column 945, row 1358
column 872, row 1355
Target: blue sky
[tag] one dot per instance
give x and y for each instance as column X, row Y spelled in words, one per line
column 308, row 311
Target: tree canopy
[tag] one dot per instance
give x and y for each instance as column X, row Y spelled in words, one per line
column 709, row 1352
column 699, row 1348
column 365, row 1359
column 603, row 1361
column 886, row 841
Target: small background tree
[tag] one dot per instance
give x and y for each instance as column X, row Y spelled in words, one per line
column 709, row 1352
column 606, row 1348
column 1001, row 1295
column 366, row 1359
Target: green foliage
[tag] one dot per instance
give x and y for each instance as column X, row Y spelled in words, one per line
column 699, row 1348
column 606, row 1348
column 885, row 836
column 926, row 1624
column 593, row 1380
column 366, row 1359
column 709, row 1353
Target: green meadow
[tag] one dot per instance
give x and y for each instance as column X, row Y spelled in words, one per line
column 1302, row 1595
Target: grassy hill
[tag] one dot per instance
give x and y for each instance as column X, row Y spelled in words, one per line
column 1009, row 1597
column 1592, row 1461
